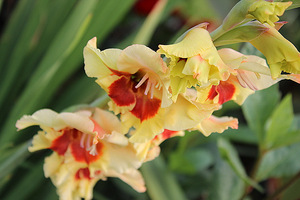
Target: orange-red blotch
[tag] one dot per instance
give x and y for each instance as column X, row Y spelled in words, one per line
column 72, row 138
column 80, row 154
column 168, row 133
column 145, row 107
column 225, row 91
column 83, row 173
column 61, row 144
column 120, row 92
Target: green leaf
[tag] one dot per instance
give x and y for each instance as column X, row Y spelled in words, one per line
column 225, row 185
column 277, row 130
column 40, row 81
column 160, row 182
column 230, row 155
column 243, row 135
column 146, row 31
column 29, row 183
column 292, row 192
column 191, row 161
column 282, row 162
column 257, row 109
column 11, row 159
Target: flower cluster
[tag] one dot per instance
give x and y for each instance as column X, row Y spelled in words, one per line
column 160, row 94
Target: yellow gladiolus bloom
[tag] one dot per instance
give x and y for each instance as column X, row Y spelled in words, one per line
column 281, row 55
column 194, row 57
column 87, row 146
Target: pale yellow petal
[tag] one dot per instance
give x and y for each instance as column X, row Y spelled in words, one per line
column 44, row 117
column 149, row 128
column 43, row 140
column 108, row 121
column 195, row 42
column 97, row 63
column 132, row 177
column 77, row 121
column 116, row 138
column 216, row 124
column 121, row 158
column 136, row 57
column 184, row 114
column 52, row 164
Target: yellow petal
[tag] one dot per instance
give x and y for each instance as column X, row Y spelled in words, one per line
column 43, row 140
column 97, row 63
column 132, row 177
column 44, row 117
column 184, row 114
column 136, row 57
column 108, row 121
column 280, row 53
column 195, row 42
column 52, row 164
column 215, row 124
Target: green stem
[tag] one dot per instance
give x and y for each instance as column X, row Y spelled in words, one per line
column 161, row 183
column 253, row 173
column 284, row 187
column 150, row 24
column 217, row 33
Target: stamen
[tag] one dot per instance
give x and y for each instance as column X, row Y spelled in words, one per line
column 93, row 150
column 88, row 142
column 142, row 81
column 152, row 90
column 82, row 140
column 147, row 88
column 246, row 81
column 195, row 75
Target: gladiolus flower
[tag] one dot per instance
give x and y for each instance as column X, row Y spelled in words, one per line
column 281, row 55
column 201, row 61
column 87, row 146
column 251, row 74
column 137, row 81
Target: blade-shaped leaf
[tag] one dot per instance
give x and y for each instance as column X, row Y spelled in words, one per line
column 226, row 185
column 230, row 155
column 13, row 159
column 68, row 37
column 160, row 182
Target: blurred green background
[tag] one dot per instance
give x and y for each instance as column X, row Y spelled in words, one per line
column 41, row 66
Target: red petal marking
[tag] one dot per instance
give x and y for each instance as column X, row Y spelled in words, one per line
column 168, row 133
column 82, row 155
column 98, row 129
column 97, row 172
column 119, row 73
column 224, row 89
column 60, row 144
column 121, row 93
column 71, row 138
column 212, row 93
column 83, row 173
column 145, row 107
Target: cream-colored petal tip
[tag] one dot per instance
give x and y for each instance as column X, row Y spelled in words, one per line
column 93, row 42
